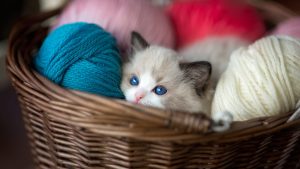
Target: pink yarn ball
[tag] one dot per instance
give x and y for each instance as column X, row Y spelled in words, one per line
column 290, row 27
column 195, row 20
column 120, row 17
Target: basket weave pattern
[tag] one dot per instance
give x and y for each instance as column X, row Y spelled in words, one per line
column 70, row 129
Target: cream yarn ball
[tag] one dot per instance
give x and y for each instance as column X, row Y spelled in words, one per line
column 260, row 80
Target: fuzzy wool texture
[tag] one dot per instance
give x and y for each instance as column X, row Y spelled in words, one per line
column 195, row 20
column 121, row 17
column 261, row 80
column 83, row 57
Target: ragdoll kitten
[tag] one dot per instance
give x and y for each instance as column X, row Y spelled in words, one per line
column 154, row 77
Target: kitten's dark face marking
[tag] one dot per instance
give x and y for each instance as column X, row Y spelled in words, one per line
column 138, row 43
column 197, row 72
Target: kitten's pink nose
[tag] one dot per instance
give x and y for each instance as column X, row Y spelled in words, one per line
column 139, row 95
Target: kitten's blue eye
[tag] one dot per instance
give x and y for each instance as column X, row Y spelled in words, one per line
column 134, row 81
column 160, row 90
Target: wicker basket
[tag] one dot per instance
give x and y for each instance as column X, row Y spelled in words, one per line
column 70, row 129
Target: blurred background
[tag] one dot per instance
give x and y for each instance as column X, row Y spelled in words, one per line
column 14, row 148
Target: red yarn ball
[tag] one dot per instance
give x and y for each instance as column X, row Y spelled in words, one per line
column 195, row 20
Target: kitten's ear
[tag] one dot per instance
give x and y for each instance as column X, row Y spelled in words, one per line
column 138, row 43
column 199, row 73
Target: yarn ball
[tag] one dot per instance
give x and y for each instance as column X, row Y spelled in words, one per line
column 195, row 20
column 121, row 17
column 290, row 27
column 261, row 80
column 83, row 57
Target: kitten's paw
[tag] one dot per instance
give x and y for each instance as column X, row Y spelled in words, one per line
column 222, row 121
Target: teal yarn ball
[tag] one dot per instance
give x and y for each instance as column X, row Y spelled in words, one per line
column 83, row 57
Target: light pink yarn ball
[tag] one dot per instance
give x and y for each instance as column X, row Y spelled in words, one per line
column 290, row 27
column 120, row 17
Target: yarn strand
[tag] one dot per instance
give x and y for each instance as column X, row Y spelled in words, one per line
column 83, row 57
column 261, row 80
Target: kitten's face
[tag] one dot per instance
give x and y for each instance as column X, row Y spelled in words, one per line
column 154, row 77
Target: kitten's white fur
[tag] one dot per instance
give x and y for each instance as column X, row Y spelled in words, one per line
column 160, row 66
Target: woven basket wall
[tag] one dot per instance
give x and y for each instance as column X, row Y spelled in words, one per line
column 69, row 129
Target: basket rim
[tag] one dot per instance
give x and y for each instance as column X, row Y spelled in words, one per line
column 143, row 123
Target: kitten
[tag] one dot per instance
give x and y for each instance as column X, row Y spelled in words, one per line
column 153, row 76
